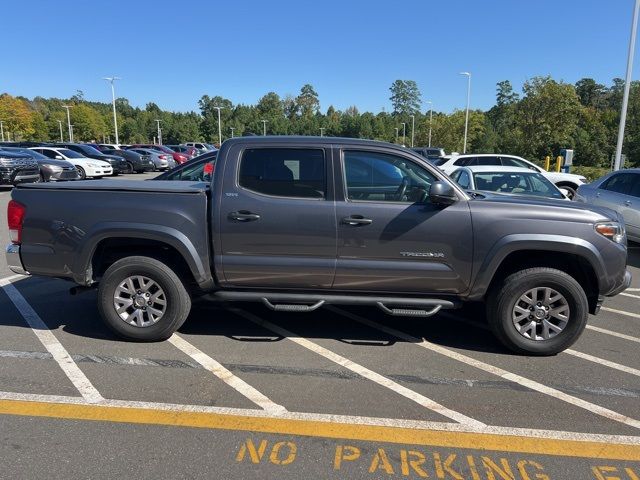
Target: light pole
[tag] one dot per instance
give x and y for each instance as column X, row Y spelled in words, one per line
column 71, row 134
column 232, row 129
column 430, row 119
column 159, row 132
column 404, row 133
column 322, row 131
column 2, row 129
column 219, row 127
column 69, row 121
column 396, row 128
column 264, row 127
column 60, row 125
column 466, row 117
column 627, row 85
column 113, row 101
column 413, row 128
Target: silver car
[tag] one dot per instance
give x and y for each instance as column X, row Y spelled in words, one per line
column 161, row 160
column 619, row 191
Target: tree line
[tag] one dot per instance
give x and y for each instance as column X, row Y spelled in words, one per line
column 546, row 116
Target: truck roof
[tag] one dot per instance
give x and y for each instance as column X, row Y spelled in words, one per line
column 303, row 140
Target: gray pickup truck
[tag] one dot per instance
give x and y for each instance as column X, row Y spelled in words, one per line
column 301, row 222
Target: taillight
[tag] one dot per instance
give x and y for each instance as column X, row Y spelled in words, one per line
column 15, row 217
column 162, row 156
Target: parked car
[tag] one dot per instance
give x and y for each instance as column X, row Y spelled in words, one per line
column 619, row 191
column 191, row 152
column 138, row 162
column 511, row 180
column 200, row 169
column 568, row 181
column 200, row 146
column 179, row 158
column 118, row 165
column 297, row 222
column 87, row 167
column 51, row 170
column 430, row 153
column 109, row 146
column 17, row 168
column 161, row 161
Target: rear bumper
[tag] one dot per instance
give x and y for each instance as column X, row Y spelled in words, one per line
column 12, row 254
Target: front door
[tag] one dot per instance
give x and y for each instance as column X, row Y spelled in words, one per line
column 277, row 219
column 390, row 237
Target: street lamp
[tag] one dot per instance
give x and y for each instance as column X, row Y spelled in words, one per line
column 69, row 121
column 627, row 85
column 322, row 131
column 159, row 132
column 413, row 128
column 466, row 118
column 113, row 101
column 60, row 125
column 430, row 119
column 2, row 129
column 232, row 129
column 71, row 132
column 264, row 127
column 396, row 129
column 404, row 133
column 219, row 127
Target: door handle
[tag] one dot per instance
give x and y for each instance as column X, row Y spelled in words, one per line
column 356, row 220
column 243, row 216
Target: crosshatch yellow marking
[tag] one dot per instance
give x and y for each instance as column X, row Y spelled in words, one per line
column 309, row 428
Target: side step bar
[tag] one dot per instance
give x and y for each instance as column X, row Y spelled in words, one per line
column 302, row 302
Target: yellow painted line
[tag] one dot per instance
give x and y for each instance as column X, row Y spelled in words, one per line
column 309, row 428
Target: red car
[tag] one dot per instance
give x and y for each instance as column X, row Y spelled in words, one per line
column 180, row 158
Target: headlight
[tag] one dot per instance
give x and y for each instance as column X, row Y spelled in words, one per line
column 53, row 168
column 612, row 230
column 582, row 179
column 94, row 165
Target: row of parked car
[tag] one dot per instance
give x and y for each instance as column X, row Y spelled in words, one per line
column 22, row 162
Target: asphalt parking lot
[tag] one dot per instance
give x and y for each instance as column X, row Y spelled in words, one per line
column 245, row 392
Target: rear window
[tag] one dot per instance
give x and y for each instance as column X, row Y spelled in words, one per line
column 284, row 172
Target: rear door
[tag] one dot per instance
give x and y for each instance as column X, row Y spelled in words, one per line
column 277, row 218
column 390, row 237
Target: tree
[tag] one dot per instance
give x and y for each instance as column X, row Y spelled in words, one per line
column 505, row 94
column 405, row 97
column 590, row 93
column 17, row 117
column 307, row 102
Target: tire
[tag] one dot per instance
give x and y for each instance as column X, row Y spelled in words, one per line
column 130, row 168
column 41, row 179
column 507, row 312
column 571, row 190
column 177, row 302
column 81, row 173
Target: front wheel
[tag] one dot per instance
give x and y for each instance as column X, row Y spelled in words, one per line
column 538, row 311
column 141, row 298
column 81, row 173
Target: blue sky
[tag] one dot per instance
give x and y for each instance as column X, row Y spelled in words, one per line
column 172, row 53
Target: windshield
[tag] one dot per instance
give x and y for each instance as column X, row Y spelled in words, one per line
column 89, row 150
column 69, row 153
column 521, row 183
column 31, row 153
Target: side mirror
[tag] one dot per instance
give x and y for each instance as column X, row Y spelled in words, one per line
column 441, row 193
column 58, row 157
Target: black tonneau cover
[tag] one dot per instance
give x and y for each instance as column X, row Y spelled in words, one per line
column 162, row 186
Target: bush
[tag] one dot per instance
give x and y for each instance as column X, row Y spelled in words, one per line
column 592, row 173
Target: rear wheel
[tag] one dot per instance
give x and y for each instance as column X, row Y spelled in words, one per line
column 571, row 190
column 130, row 168
column 141, row 298
column 538, row 311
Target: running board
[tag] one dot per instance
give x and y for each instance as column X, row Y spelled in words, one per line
column 302, row 302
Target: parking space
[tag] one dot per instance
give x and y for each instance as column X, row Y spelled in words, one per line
column 332, row 388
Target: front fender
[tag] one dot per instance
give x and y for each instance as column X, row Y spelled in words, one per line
column 170, row 236
column 520, row 242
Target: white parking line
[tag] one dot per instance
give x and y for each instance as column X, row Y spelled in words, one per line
column 613, row 334
column 12, row 278
column 331, row 418
column 632, row 290
column 621, row 312
column 625, row 294
column 602, row 361
column 225, row 375
column 531, row 384
column 363, row 371
column 51, row 343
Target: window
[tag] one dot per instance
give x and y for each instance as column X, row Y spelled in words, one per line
column 464, row 162
column 635, row 188
column 378, row 177
column 619, row 183
column 487, row 161
column 464, row 181
column 49, row 153
column 523, row 183
column 284, row 172
column 201, row 171
column 516, row 162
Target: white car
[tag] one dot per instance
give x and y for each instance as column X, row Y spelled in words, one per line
column 568, row 181
column 511, row 180
column 87, row 167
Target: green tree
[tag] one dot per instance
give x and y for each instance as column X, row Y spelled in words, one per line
column 405, row 97
column 307, row 101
